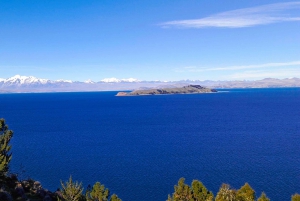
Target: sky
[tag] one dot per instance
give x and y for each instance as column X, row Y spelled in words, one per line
column 150, row 40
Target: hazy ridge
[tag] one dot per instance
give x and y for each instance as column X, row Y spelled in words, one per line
column 32, row 84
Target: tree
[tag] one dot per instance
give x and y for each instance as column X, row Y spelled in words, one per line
column 226, row 193
column 296, row 197
column 5, row 155
column 196, row 192
column 97, row 193
column 245, row 193
column 71, row 191
column 200, row 193
column 182, row 192
column 114, row 197
column 263, row 197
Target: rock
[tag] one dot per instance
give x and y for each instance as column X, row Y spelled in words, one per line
column 58, row 193
column 42, row 192
column 37, row 185
column 121, row 94
column 19, row 190
column 26, row 185
column 47, row 198
column 5, row 196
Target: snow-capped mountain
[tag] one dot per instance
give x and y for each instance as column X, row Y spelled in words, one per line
column 23, row 80
column 63, row 81
column 20, row 83
column 130, row 80
column 29, row 80
column 115, row 80
column 109, row 80
column 89, row 81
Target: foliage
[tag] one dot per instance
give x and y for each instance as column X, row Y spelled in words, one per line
column 226, row 193
column 196, row 192
column 114, row 197
column 245, row 193
column 5, row 155
column 200, row 193
column 263, row 197
column 71, row 191
column 182, row 192
column 97, row 193
column 296, row 197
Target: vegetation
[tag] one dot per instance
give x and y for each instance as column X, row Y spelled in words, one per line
column 13, row 189
column 100, row 193
column 263, row 197
column 296, row 197
column 197, row 192
column 245, row 193
column 97, row 193
column 71, row 191
column 114, row 197
column 5, row 155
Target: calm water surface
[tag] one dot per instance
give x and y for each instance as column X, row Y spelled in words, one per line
column 140, row 146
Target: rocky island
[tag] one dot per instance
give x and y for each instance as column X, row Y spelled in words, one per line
column 189, row 89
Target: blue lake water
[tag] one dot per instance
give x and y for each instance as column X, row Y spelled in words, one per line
column 140, row 146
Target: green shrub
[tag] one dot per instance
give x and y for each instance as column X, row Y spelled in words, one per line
column 71, row 191
column 5, row 155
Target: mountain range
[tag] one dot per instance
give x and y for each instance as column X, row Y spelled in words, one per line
column 20, row 83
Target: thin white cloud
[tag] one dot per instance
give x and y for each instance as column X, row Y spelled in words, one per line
column 241, row 67
column 247, row 17
column 190, row 67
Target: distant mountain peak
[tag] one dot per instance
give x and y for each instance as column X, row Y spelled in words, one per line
column 27, row 80
column 115, row 80
column 130, row 80
column 18, row 79
column 65, row 81
column 19, row 83
column 89, row 81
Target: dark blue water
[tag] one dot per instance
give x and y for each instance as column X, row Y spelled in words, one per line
column 140, row 146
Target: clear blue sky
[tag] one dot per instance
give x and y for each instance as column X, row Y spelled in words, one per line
column 150, row 40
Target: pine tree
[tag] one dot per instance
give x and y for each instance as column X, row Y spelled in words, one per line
column 226, row 193
column 71, row 191
column 97, row 193
column 182, row 191
column 296, row 197
column 114, row 197
column 263, row 197
column 246, row 193
column 5, row 155
column 200, row 193
column 196, row 192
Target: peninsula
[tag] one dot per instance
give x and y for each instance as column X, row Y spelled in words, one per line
column 189, row 89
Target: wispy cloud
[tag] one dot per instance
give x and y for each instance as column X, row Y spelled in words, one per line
column 247, row 17
column 241, row 67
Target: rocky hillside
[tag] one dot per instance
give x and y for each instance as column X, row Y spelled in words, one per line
column 190, row 89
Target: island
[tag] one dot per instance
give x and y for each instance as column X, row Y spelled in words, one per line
column 189, row 89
